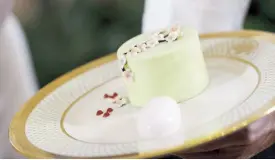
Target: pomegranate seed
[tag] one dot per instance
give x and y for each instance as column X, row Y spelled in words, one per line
column 109, row 110
column 115, row 94
column 106, row 96
column 107, row 114
column 99, row 112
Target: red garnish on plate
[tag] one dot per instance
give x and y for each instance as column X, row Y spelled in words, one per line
column 106, row 96
column 115, row 99
column 107, row 114
column 111, row 96
column 114, row 94
column 109, row 110
column 99, row 112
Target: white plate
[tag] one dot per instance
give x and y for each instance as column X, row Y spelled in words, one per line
column 241, row 90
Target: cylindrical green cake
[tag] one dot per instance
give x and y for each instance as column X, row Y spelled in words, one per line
column 173, row 66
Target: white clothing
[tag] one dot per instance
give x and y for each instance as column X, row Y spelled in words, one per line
column 17, row 79
column 203, row 15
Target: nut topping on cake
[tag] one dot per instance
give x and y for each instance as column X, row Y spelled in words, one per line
column 142, row 47
column 163, row 36
column 152, row 43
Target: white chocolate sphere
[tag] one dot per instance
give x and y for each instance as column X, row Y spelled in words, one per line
column 159, row 117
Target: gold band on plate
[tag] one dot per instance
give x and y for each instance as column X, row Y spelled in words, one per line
column 21, row 143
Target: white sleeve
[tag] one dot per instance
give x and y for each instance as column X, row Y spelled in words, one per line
column 203, row 15
column 5, row 9
column 157, row 14
column 17, row 79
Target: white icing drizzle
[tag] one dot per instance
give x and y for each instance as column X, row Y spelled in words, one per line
column 163, row 36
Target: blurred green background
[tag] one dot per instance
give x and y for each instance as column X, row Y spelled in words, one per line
column 64, row 34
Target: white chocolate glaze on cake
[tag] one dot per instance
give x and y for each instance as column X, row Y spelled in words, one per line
column 175, row 69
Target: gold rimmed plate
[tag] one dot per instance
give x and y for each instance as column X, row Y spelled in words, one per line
column 64, row 119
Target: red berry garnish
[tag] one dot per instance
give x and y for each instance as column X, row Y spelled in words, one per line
column 115, row 94
column 106, row 96
column 99, row 112
column 107, row 114
column 111, row 96
column 109, row 110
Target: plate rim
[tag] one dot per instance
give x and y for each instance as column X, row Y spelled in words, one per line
column 20, row 142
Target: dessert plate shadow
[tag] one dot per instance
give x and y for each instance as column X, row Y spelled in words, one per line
column 64, row 120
